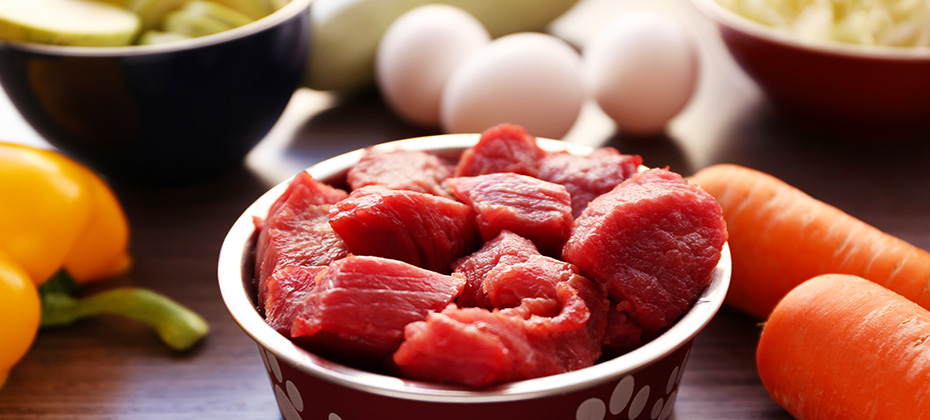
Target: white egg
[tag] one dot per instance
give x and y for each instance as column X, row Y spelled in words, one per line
column 642, row 70
column 417, row 54
column 529, row 79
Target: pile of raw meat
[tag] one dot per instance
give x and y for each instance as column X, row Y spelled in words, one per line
column 511, row 263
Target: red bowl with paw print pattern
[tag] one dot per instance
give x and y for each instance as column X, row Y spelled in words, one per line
column 640, row 384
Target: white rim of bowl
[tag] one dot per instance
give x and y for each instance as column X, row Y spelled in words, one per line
column 286, row 12
column 723, row 16
column 236, row 297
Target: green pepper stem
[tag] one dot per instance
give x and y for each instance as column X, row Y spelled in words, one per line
column 179, row 327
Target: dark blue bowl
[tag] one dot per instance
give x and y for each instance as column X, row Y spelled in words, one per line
column 162, row 114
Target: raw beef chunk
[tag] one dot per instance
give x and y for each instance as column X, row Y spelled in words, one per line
column 504, row 148
column 652, row 241
column 422, row 229
column 286, row 290
column 478, row 347
column 507, row 248
column 401, row 170
column 360, row 305
column 586, row 177
column 303, row 190
column 546, row 319
column 537, row 210
column 622, row 334
column 297, row 230
column 508, row 284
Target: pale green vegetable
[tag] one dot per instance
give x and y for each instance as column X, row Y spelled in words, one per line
column 899, row 23
column 254, row 9
column 67, row 22
column 197, row 18
column 346, row 33
column 193, row 25
column 154, row 36
column 119, row 22
column 277, row 4
column 120, row 3
column 153, row 12
column 231, row 17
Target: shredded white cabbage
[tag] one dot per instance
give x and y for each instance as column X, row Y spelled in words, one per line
column 899, row 23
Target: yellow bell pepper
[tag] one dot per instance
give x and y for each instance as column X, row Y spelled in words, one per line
column 101, row 250
column 19, row 314
column 61, row 225
column 58, row 213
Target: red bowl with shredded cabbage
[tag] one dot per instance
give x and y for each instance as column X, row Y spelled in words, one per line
column 837, row 84
column 640, row 384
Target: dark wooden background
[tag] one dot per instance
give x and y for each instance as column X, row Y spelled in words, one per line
column 112, row 368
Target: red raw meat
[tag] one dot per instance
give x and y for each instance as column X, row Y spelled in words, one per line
column 532, row 208
column 478, row 347
column 507, row 248
column 506, row 285
column 588, row 176
column 360, row 306
column 503, row 148
column 425, row 230
column 471, row 346
column 360, row 278
column 286, row 289
column 297, row 230
column 547, row 319
column 401, row 170
column 303, row 190
column 652, row 241
column 622, row 334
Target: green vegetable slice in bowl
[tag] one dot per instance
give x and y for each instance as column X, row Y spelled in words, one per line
column 193, row 25
column 152, row 12
column 218, row 12
column 154, row 36
column 67, row 22
column 254, row 9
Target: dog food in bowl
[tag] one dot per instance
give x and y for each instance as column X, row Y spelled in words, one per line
column 641, row 383
column 480, row 271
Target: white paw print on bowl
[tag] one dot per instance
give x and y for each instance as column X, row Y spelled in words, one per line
column 623, row 396
column 289, row 399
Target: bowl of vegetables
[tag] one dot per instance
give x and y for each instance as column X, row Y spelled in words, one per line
column 153, row 92
column 467, row 348
column 860, row 65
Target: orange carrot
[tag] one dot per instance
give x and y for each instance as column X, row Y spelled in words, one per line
column 780, row 236
column 840, row 347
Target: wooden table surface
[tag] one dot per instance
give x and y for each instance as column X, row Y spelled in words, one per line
column 112, row 368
